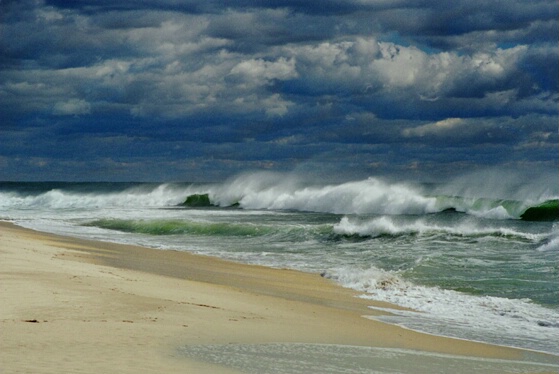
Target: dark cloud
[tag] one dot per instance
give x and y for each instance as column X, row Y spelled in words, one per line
column 164, row 89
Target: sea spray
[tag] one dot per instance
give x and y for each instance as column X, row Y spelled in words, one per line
column 507, row 184
column 71, row 197
column 370, row 196
column 276, row 192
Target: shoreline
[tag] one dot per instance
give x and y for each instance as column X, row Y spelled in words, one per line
column 67, row 301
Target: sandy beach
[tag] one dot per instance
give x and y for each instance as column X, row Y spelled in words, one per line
column 77, row 306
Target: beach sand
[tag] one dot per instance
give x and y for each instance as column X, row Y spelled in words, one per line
column 76, row 306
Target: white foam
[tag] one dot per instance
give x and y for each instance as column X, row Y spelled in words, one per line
column 159, row 196
column 386, row 225
column 274, row 191
column 445, row 312
column 552, row 243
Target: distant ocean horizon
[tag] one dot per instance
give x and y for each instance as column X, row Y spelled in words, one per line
column 477, row 261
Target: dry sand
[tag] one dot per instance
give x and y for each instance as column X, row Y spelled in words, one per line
column 77, row 306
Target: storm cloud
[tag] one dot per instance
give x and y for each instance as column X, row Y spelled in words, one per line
column 188, row 90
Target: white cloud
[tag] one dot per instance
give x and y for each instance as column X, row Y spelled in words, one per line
column 329, row 65
column 275, row 106
column 366, row 65
column 402, row 66
column 71, row 107
column 259, row 72
column 174, row 64
column 443, row 127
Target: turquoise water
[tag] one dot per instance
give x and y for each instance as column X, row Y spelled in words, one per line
column 465, row 259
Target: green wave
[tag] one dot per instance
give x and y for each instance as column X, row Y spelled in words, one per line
column 202, row 201
column 178, row 227
column 198, row 200
column 547, row 211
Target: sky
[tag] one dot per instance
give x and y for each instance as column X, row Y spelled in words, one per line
column 98, row 90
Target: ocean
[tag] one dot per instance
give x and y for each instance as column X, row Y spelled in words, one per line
column 476, row 261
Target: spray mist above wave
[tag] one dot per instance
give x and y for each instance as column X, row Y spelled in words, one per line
column 69, row 197
column 278, row 192
column 370, row 196
column 505, row 184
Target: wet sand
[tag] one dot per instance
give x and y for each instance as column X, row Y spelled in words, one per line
column 79, row 306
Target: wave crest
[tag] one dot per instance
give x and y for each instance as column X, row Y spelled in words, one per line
column 370, row 196
column 275, row 191
column 390, row 226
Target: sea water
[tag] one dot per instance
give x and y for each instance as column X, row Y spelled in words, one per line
column 461, row 257
column 288, row 358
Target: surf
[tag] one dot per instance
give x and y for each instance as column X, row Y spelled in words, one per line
column 420, row 227
column 273, row 191
column 62, row 195
column 451, row 243
column 276, row 191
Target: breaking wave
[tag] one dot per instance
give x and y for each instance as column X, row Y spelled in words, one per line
column 272, row 191
column 72, row 196
column 371, row 196
column 389, row 226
